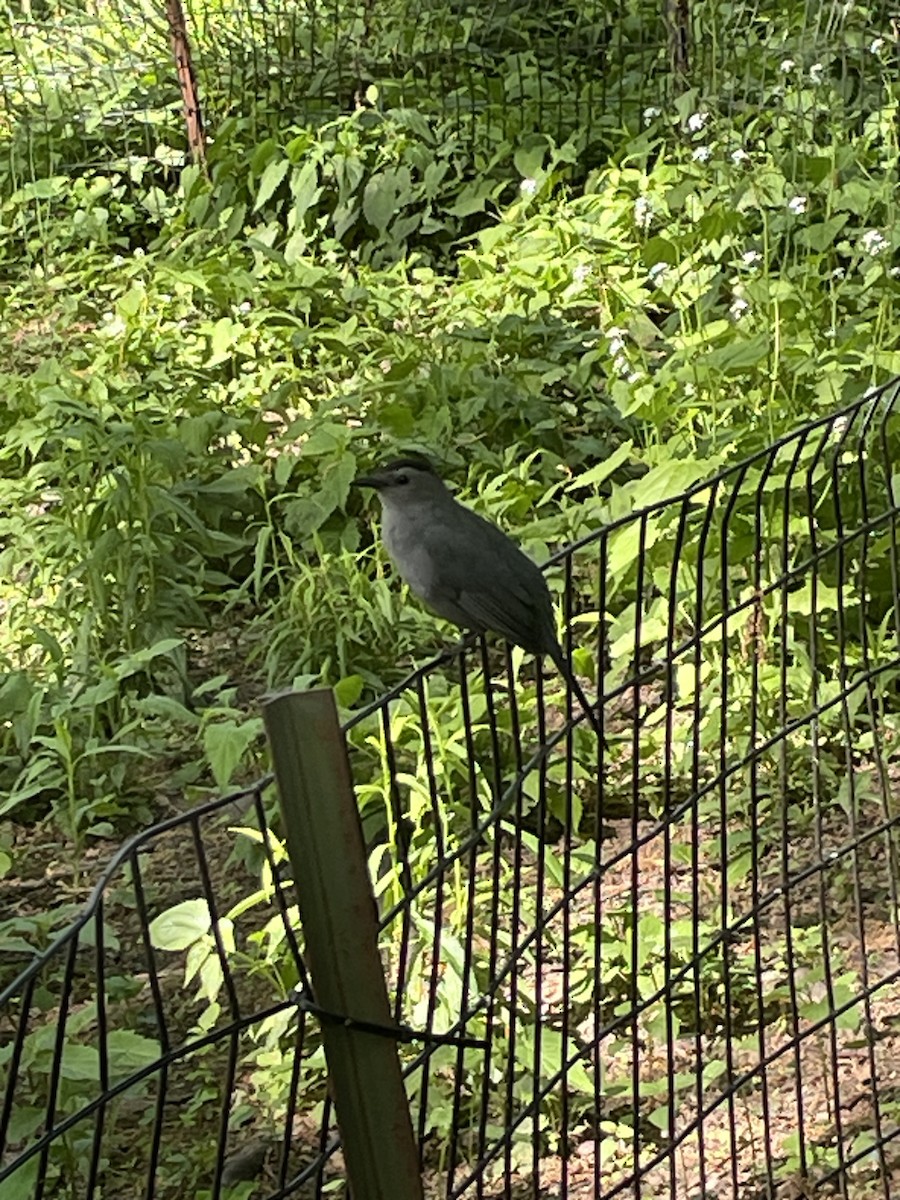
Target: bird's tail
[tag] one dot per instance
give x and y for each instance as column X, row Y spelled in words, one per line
column 590, row 711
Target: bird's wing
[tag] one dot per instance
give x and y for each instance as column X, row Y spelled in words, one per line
column 513, row 616
column 487, row 579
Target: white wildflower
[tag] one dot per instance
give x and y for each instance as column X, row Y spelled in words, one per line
column 118, row 260
column 750, row 257
column 873, row 242
column 528, row 187
column 839, row 426
column 651, row 113
column 111, row 326
column 244, row 306
column 831, row 333
column 894, row 272
column 633, row 377
column 797, row 205
column 615, row 338
column 581, row 272
column 643, row 212
column 621, row 364
column 738, row 307
column 787, row 65
column 697, row 120
column 877, row 46
column 740, row 155
column 838, row 273
column 657, row 272
column 816, row 71
column 139, row 253
column 701, row 154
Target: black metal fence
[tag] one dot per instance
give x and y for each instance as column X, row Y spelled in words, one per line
column 664, row 967
column 90, row 85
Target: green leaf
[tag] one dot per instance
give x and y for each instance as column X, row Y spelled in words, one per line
column 295, row 246
column 659, row 1119
column 181, row 926
column 137, row 661
column 264, row 153
column 672, row 477
column 132, row 302
column 434, row 175
column 738, row 357
column 767, row 190
column 129, row 1052
column 348, row 690
column 307, row 513
column 397, row 419
column 271, row 180
column 550, row 1057
column 233, row 221
column 625, row 545
column 326, row 439
column 167, row 708
column 25, row 1120
column 713, row 1070
column 659, row 250
column 225, row 744
column 80, row 1063
column 739, row 868
column 650, row 938
column 304, row 190
column 827, row 599
column 855, row 197
column 385, row 193
column 21, row 1182
column 472, row 199
column 529, row 160
column 45, row 189
column 223, row 336
column 820, row 235
column 596, row 475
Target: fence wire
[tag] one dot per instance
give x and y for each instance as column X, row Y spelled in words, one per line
column 678, row 952
column 88, row 85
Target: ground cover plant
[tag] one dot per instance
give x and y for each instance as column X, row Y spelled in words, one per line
column 577, row 318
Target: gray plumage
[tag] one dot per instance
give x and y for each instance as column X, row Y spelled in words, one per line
column 464, row 568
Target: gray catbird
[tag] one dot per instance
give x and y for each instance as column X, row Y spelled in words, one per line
column 463, row 567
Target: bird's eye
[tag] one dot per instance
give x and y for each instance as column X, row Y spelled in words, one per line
column 402, row 479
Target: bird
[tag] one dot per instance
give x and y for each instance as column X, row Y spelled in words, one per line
column 465, row 568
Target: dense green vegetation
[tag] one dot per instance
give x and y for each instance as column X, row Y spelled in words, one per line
column 194, row 370
column 574, row 323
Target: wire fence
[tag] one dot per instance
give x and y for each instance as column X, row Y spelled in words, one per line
column 663, row 966
column 87, row 85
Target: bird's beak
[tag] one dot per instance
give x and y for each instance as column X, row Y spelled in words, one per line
column 369, row 481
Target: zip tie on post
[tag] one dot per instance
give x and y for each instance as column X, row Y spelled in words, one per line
column 397, row 1033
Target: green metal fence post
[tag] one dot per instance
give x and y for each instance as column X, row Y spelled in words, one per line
column 337, row 910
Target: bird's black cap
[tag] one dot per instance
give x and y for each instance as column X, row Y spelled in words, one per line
column 382, row 474
column 417, row 461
